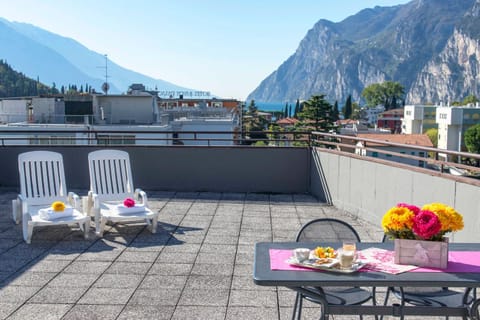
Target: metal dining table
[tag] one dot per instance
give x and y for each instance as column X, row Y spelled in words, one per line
column 300, row 280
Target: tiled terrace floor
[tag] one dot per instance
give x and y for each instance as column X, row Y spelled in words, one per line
column 197, row 266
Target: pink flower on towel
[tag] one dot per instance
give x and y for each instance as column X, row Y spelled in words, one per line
column 129, row 202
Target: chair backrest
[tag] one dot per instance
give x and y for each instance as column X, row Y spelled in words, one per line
column 110, row 174
column 328, row 230
column 42, row 177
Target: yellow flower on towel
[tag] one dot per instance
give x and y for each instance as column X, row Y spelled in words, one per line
column 58, row 206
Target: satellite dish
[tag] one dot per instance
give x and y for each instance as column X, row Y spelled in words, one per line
column 105, row 87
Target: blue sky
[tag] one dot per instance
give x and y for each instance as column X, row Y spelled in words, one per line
column 225, row 47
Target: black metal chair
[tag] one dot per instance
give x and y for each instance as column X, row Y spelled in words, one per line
column 330, row 230
column 430, row 296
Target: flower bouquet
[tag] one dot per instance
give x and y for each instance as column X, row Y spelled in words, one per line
column 419, row 233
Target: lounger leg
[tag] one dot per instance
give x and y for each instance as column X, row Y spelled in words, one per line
column 100, row 226
column 16, row 210
column 86, row 229
column 154, row 224
column 27, row 230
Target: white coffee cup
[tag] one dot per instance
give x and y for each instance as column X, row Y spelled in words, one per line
column 301, row 254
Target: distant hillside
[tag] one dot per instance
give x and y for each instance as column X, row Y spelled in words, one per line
column 16, row 84
column 430, row 46
column 63, row 61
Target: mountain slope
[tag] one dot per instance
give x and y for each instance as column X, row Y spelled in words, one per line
column 64, row 60
column 38, row 61
column 383, row 43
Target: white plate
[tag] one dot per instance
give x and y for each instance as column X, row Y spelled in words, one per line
column 332, row 265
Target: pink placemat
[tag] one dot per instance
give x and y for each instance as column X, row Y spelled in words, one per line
column 458, row 261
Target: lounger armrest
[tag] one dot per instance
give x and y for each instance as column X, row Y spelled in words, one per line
column 74, row 200
column 93, row 197
column 140, row 194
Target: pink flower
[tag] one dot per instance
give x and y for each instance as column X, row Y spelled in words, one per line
column 426, row 224
column 410, row 207
column 129, row 202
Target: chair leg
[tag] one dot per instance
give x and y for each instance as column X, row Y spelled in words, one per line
column 474, row 310
column 295, row 307
column 387, row 294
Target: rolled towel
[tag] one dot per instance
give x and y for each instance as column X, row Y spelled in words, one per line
column 126, row 210
column 50, row 214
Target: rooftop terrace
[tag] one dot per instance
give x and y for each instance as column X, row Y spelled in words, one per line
column 199, row 264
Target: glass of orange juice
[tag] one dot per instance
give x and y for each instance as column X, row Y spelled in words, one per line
column 349, row 246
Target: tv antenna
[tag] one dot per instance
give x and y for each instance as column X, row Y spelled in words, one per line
column 105, row 85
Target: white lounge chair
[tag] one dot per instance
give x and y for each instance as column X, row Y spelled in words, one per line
column 42, row 182
column 110, row 184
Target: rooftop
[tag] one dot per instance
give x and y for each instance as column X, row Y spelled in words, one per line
column 197, row 266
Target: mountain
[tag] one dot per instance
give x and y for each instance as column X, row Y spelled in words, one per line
column 55, row 59
column 430, row 46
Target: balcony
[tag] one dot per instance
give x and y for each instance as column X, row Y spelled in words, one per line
column 215, row 203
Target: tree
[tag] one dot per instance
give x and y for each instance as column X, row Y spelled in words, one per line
column 347, row 110
column 432, row 134
column 285, row 112
column 297, row 109
column 254, row 124
column 470, row 99
column 336, row 112
column 356, row 111
column 389, row 94
column 472, row 139
column 317, row 114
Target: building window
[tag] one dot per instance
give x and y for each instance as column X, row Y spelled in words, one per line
column 375, row 154
column 442, row 116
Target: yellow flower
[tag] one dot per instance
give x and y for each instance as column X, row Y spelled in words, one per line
column 449, row 218
column 58, row 206
column 397, row 219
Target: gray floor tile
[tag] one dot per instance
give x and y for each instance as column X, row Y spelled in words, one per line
column 35, row 311
column 146, row 312
column 107, row 296
column 54, row 295
column 204, row 297
column 155, row 297
column 175, row 269
column 97, row 312
column 199, row 312
column 118, row 281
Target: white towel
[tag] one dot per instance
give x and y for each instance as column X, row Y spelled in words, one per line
column 50, row 214
column 126, row 210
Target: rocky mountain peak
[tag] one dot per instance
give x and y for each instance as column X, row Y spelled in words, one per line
column 426, row 45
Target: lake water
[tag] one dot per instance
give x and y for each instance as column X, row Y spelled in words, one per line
column 272, row 106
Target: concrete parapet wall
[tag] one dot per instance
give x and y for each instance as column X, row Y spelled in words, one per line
column 367, row 188
column 215, row 169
